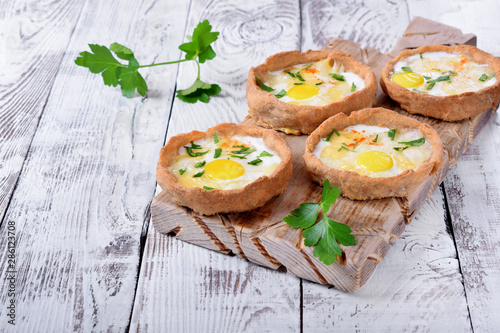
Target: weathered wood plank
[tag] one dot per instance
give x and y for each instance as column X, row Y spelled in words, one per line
column 472, row 188
column 187, row 288
column 82, row 200
column 29, row 62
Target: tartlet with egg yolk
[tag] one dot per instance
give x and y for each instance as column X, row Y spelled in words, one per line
column 208, row 200
column 364, row 181
column 475, row 73
column 271, row 112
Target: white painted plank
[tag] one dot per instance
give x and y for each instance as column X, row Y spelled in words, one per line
column 29, row 61
column 82, row 199
column 187, row 288
column 419, row 281
column 473, row 186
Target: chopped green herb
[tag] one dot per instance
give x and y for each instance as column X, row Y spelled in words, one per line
column 238, row 156
column 281, row 93
column 199, row 174
column 208, row 188
column 427, row 77
column 420, row 91
column 263, row 86
column 326, row 234
column 441, row 78
column 216, row 138
column 255, row 162
column 299, row 76
column 200, row 164
column 436, row 69
column 353, row 87
column 343, row 147
column 181, row 171
column 421, row 56
column 407, row 69
column 191, row 153
column 298, row 83
column 392, row 134
column 244, row 151
column 400, row 148
column 485, row 77
column 291, row 74
column 355, row 145
column 218, row 151
column 376, row 138
column 308, row 66
column 338, row 77
column 329, row 136
column 265, row 153
column 336, row 132
column 414, row 143
column 320, row 83
column 239, row 146
column 195, row 146
column 430, row 86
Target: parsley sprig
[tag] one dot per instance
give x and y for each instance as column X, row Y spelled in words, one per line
column 114, row 72
column 324, row 234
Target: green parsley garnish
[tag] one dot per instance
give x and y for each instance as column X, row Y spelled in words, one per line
column 190, row 151
column 181, row 171
column 299, row 76
column 338, row 77
column 127, row 76
column 217, row 153
column 485, row 77
column 216, row 138
column 326, row 234
column 265, row 153
column 199, row 174
column 376, row 138
column 407, row 69
column 255, row 162
column 430, row 86
column 400, row 148
column 208, row 188
column 441, row 78
column 392, row 134
column 263, row 86
column 320, row 83
column 420, row 91
column 291, row 74
column 281, row 93
column 414, row 143
column 353, row 87
column 200, row 164
column 421, row 56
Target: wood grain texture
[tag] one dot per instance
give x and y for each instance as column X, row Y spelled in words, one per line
column 29, row 61
column 187, row 288
column 265, row 239
column 82, row 200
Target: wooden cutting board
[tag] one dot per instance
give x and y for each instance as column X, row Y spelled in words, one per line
column 262, row 237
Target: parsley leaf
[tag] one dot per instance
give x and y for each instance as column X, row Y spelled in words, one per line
column 414, row 143
column 353, row 87
column 263, row 86
column 325, row 234
column 114, row 72
column 281, row 93
column 407, row 69
column 338, row 77
column 265, row 153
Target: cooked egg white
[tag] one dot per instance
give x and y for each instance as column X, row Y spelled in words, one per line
column 442, row 74
column 369, row 150
column 311, row 84
column 231, row 163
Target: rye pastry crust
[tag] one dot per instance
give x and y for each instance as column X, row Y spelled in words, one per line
column 209, row 202
column 449, row 108
column 270, row 112
column 361, row 187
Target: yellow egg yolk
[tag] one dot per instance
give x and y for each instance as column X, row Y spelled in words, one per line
column 303, row 91
column 375, row 161
column 224, row 170
column 408, row 79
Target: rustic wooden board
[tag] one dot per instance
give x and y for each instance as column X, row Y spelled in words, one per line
column 262, row 237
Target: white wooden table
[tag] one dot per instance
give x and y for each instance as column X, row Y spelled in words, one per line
column 77, row 176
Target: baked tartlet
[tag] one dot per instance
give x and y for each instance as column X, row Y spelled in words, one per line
column 443, row 82
column 373, row 153
column 228, row 168
column 312, row 87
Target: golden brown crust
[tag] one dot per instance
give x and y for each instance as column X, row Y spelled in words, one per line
column 268, row 111
column 253, row 195
column 356, row 186
column 448, row 108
